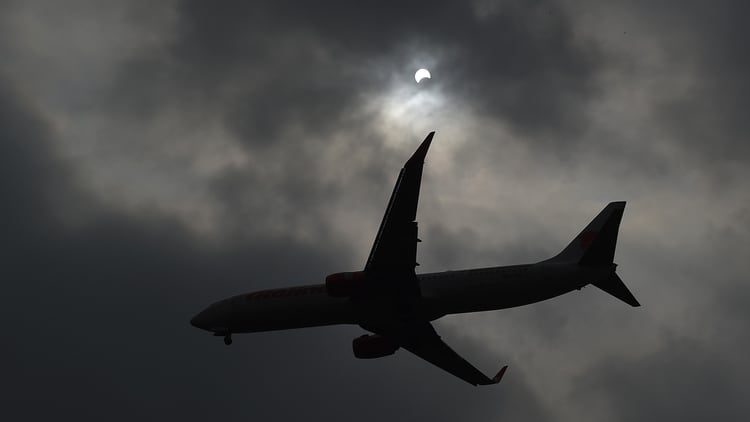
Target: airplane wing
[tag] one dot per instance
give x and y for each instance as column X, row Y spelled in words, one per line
column 391, row 265
column 395, row 249
column 423, row 341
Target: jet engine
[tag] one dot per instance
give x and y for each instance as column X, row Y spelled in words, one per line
column 344, row 284
column 373, row 346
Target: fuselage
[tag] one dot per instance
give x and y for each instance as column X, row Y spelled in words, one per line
column 442, row 293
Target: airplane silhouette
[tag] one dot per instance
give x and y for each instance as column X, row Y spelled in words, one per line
column 397, row 305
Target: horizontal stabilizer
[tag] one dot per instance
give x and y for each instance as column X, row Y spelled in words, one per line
column 614, row 286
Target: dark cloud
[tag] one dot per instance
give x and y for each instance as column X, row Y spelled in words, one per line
column 554, row 114
column 439, row 249
column 710, row 115
column 684, row 380
column 100, row 311
column 271, row 66
column 693, row 54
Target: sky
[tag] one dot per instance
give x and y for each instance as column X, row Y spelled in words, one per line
column 156, row 157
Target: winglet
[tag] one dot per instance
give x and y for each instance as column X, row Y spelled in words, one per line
column 421, row 152
column 496, row 379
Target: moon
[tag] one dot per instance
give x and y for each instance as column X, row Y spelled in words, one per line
column 421, row 74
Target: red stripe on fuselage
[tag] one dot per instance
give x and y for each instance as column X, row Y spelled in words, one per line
column 286, row 292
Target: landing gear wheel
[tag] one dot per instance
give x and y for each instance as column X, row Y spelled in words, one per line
column 228, row 339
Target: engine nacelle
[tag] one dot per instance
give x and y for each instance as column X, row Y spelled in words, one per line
column 344, row 284
column 373, row 346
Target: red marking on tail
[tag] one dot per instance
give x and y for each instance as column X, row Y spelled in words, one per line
column 587, row 237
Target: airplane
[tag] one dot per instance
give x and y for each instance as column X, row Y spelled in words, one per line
column 397, row 305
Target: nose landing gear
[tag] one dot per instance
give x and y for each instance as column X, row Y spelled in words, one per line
column 228, row 339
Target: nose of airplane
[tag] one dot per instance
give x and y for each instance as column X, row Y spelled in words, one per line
column 215, row 318
column 200, row 321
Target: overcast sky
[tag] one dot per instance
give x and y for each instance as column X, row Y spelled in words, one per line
column 156, row 157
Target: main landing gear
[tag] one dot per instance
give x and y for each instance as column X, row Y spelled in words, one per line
column 228, row 339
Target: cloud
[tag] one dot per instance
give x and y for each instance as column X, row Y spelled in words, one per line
column 155, row 159
column 683, row 380
column 272, row 66
column 101, row 310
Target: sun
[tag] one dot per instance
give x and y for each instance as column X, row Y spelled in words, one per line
column 422, row 74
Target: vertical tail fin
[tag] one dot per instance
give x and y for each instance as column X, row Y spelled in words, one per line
column 595, row 245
